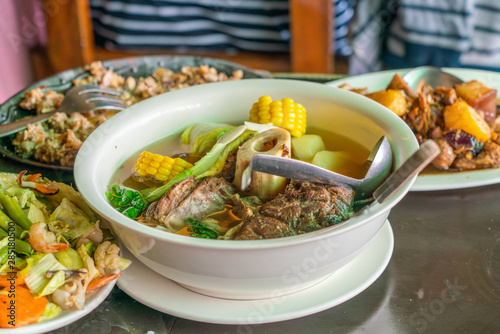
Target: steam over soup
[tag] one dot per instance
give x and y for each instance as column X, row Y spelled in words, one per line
column 189, row 183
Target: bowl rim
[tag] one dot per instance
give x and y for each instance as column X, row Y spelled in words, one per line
column 390, row 120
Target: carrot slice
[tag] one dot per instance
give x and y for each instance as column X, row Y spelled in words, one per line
column 19, row 308
column 8, row 280
column 101, row 281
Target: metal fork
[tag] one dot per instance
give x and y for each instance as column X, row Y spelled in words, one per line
column 78, row 99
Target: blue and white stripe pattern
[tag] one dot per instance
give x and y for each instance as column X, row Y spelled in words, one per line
column 343, row 14
column 447, row 33
column 252, row 25
column 247, row 25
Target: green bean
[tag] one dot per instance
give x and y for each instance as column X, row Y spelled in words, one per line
column 4, row 254
column 4, row 225
column 15, row 211
column 20, row 246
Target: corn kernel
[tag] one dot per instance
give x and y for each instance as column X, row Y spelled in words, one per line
column 285, row 113
column 151, row 170
column 162, row 177
column 161, row 168
column 164, row 171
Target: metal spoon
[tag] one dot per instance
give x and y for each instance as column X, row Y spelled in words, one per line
column 379, row 163
column 411, row 167
column 430, row 75
column 415, row 164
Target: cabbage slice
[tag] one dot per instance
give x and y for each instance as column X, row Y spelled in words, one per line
column 51, row 311
column 36, row 279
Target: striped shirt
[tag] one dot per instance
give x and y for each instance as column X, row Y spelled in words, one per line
column 409, row 33
column 229, row 25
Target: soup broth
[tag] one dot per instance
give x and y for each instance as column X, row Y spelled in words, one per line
column 172, row 146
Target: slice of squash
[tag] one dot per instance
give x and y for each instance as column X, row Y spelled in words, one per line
column 480, row 97
column 461, row 116
column 392, row 99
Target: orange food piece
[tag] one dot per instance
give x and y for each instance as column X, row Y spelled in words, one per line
column 101, row 281
column 8, row 280
column 461, row 116
column 19, row 308
column 398, row 83
column 480, row 97
column 392, row 99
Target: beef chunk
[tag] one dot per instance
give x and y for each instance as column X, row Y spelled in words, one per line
column 229, row 167
column 245, row 207
column 306, row 206
column 171, row 199
column 207, row 197
column 260, row 227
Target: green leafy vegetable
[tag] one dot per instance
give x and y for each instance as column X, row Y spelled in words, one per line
column 36, row 215
column 88, row 262
column 51, row 310
column 201, row 230
column 68, row 192
column 211, row 164
column 129, row 202
column 90, row 248
column 54, row 283
column 36, row 280
column 124, row 263
column 70, row 259
column 68, row 220
column 204, row 143
column 191, row 134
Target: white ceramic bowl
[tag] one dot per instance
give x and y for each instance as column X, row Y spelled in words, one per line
column 239, row 269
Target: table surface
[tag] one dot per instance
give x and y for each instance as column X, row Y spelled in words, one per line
column 443, row 277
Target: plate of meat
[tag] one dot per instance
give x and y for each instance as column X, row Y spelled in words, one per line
column 462, row 119
column 55, row 143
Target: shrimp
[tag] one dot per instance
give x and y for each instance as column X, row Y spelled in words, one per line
column 30, row 182
column 44, row 241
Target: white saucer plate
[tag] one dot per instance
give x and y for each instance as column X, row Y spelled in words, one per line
column 66, row 317
column 164, row 295
column 442, row 181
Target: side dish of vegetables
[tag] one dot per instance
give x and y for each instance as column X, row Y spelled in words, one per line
column 53, row 250
column 191, row 184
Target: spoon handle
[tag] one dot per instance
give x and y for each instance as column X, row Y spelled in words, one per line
column 293, row 169
column 411, row 167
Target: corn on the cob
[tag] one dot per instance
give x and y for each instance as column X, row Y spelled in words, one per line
column 159, row 167
column 285, row 113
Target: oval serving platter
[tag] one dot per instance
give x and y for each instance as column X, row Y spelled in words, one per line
column 440, row 181
column 132, row 66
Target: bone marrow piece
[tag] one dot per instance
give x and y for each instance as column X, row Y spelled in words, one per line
column 275, row 142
